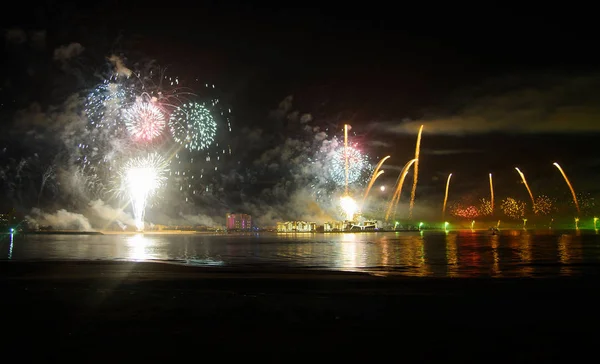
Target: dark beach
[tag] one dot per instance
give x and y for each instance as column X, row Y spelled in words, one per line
column 115, row 311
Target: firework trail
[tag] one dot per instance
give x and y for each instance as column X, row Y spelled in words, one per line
column 144, row 120
column 396, row 197
column 446, row 197
column 140, row 179
column 491, row 196
column 570, row 186
column 376, row 174
column 346, row 155
column 193, row 126
column 526, row 186
column 416, row 174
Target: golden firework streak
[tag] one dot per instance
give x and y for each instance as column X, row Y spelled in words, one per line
column 346, row 155
column 492, row 195
column 376, row 174
column 396, row 198
column 446, row 197
column 416, row 174
column 528, row 189
column 570, row 187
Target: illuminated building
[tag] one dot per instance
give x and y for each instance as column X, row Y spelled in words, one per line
column 349, row 225
column 296, row 227
column 238, row 222
column 336, row 226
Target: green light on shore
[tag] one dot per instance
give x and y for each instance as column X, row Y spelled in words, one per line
column 446, row 224
column 420, row 225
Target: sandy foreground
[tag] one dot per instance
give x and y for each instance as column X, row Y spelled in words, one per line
column 117, row 311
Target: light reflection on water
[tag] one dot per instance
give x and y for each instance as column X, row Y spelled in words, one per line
column 462, row 253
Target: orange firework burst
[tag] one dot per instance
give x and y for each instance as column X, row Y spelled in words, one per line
column 465, row 212
column 485, row 207
column 543, row 205
column 512, row 208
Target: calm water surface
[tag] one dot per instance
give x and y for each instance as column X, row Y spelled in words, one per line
column 431, row 253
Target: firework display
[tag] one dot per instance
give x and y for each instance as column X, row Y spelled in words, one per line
column 182, row 135
column 465, row 212
column 104, row 105
column 144, row 120
column 543, row 205
column 357, row 163
column 398, row 192
column 140, row 179
column 485, row 207
column 149, row 112
column 513, row 208
column 192, row 125
column 416, row 174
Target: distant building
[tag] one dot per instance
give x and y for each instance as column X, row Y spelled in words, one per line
column 335, row 226
column 296, row 227
column 350, row 225
column 367, row 225
column 238, row 222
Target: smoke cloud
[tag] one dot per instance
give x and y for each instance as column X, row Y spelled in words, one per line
column 61, row 219
column 201, row 220
column 108, row 214
column 66, row 52
column 546, row 105
column 119, row 65
column 15, row 36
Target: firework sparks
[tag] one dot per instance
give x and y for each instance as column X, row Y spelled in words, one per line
column 346, row 156
column 376, row 174
column 396, row 197
column 587, row 204
column 485, row 207
column 570, row 187
column 468, row 212
column 357, row 163
column 349, row 207
column 416, row 174
column 512, row 208
column 446, row 196
column 543, row 205
column 491, row 196
column 104, row 104
column 526, row 186
column 144, row 120
column 140, row 179
column 193, row 126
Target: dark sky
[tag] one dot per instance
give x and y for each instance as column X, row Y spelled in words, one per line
column 394, row 59
column 376, row 64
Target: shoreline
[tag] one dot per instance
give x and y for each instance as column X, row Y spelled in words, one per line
column 211, row 233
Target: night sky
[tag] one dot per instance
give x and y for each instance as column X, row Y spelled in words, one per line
column 495, row 86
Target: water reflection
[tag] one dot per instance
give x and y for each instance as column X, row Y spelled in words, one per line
column 495, row 240
column 385, row 252
column 348, row 255
column 10, row 246
column 138, row 246
column 452, row 255
column 457, row 253
column 524, row 250
column 563, row 253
